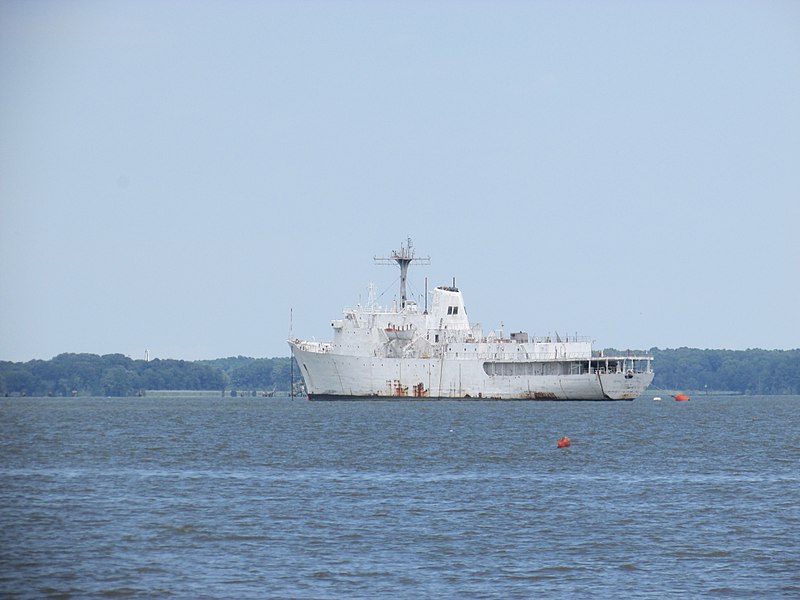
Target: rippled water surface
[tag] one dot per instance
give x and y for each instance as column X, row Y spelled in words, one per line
column 258, row 498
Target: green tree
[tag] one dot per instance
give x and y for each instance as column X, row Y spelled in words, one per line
column 117, row 381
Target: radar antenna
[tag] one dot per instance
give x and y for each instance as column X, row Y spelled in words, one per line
column 403, row 257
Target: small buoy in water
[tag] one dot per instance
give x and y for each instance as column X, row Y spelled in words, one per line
column 681, row 397
column 564, row 442
column 656, row 397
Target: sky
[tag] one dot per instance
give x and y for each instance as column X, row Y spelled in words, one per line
column 201, row 179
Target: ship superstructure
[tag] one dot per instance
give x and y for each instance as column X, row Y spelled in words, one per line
column 435, row 352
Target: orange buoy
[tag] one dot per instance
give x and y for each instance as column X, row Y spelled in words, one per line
column 681, row 397
column 564, row 442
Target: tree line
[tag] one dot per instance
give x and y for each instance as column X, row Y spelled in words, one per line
column 690, row 369
column 119, row 375
column 753, row 371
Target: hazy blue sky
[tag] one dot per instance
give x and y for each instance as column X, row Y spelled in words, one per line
column 175, row 176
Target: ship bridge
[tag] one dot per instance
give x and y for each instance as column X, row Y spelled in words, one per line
column 448, row 311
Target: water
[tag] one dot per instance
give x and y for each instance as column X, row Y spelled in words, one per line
column 274, row 498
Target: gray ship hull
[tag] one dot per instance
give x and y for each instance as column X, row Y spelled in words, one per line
column 329, row 376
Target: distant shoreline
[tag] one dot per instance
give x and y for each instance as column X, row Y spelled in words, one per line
column 686, row 370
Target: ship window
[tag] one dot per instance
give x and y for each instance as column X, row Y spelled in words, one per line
column 455, row 310
column 436, row 338
column 449, row 310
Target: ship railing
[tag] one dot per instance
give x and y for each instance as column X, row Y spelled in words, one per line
column 537, row 339
column 518, row 356
column 617, row 370
column 389, row 311
column 606, row 364
column 552, row 339
column 318, row 347
column 620, row 364
column 629, row 354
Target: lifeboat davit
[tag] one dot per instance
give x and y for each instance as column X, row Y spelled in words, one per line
column 564, row 442
column 681, row 397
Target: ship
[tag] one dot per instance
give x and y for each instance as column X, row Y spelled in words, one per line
column 434, row 352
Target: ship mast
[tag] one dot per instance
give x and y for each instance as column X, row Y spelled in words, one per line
column 403, row 257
